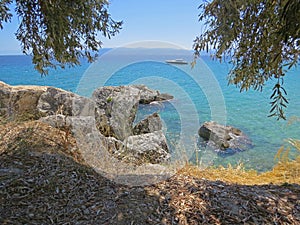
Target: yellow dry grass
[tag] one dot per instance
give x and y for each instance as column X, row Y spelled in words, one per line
column 283, row 172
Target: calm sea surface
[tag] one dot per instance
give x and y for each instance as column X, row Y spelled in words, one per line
column 201, row 94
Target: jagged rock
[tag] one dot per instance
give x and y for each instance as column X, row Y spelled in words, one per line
column 57, row 121
column 163, row 97
column 37, row 101
column 20, row 101
column 57, row 101
column 102, row 123
column 147, row 95
column 224, row 137
column 145, row 148
column 111, row 111
column 113, row 145
column 148, row 125
column 119, row 106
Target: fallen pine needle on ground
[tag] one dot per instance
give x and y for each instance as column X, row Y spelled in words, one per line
column 42, row 182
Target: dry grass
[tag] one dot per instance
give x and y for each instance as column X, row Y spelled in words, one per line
column 283, row 172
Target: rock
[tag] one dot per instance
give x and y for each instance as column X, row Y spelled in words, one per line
column 118, row 107
column 57, row 101
column 57, row 121
column 34, row 102
column 113, row 145
column 224, row 137
column 148, row 95
column 111, row 111
column 20, row 102
column 145, row 148
column 102, row 123
column 148, row 125
column 163, row 97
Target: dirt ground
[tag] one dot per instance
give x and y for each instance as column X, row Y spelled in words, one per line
column 43, row 183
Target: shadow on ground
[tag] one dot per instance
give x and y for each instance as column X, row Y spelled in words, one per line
column 42, row 184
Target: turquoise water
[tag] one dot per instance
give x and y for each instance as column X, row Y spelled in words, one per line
column 201, row 94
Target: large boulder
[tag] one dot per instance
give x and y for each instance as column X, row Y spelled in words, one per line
column 145, row 148
column 224, row 138
column 115, row 114
column 118, row 107
column 33, row 102
column 55, row 101
column 20, row 102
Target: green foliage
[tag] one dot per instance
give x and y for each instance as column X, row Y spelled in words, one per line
column 5, row 14
column 59, row 33
column 278, row 101
column 262, row 38
column 109, row 99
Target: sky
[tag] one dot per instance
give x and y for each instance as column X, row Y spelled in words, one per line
column 173, row 21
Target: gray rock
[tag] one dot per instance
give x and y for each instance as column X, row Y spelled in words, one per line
column 146, row 148
column 163, row 97
column 148, row 125
column 113, row 145
column 58, row 121
column 118, row 106
column 111, row 111
column 224, row 137
column 57, row 101
column 148, row 95
column 103, row 123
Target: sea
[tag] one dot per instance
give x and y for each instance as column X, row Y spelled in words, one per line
column 201, row 93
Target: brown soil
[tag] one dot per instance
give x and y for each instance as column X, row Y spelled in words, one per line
column 44, row 181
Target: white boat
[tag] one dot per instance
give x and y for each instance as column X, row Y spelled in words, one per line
column 177, row 61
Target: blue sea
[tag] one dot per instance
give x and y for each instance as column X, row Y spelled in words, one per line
column 200, row 94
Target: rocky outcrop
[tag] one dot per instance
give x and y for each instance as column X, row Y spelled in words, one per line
column 33, row 102
column 116, row 111
column 224, row 138
column 118, row 107
column 112, row 109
